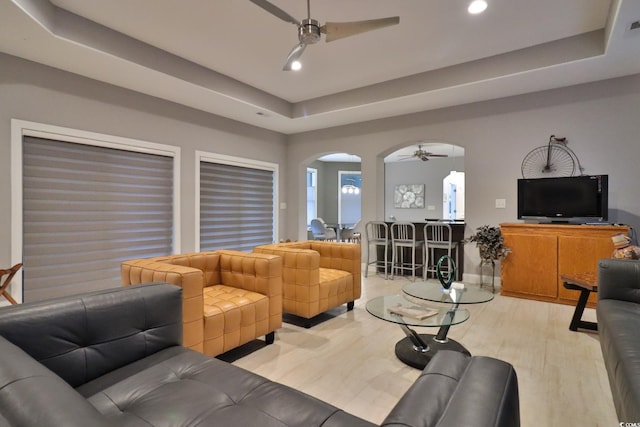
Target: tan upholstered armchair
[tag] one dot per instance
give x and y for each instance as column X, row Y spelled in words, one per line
column 317, row 275
column 229, row 298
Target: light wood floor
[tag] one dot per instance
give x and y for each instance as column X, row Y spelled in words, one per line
column 349, row 360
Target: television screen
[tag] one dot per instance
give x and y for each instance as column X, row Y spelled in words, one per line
column 564, row 198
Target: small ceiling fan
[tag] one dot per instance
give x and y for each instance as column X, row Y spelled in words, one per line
column 421, row 154
column 309, row 30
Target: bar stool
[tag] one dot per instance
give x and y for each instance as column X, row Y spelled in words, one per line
column 438, row 235
column 377, row 234
column 403, row 237
column 3, row 288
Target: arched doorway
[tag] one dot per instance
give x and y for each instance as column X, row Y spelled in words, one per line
column 334, row 189
column 425, row 181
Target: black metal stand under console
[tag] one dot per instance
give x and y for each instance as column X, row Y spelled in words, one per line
column 586, row 283
column 576, row 320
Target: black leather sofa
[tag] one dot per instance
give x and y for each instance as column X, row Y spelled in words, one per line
column 113, row 358
column 618, row 312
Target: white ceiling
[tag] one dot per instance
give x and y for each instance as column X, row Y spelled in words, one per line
column 226, row 56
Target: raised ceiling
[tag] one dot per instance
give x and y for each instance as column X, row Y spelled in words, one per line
column 225, row 56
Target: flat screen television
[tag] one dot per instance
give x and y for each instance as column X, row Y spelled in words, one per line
column 575, row 199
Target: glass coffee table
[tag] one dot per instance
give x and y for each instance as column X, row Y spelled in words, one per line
column 417, row 349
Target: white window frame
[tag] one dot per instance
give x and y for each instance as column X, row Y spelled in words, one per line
column 314, row 172
column 22, row 128
column 205, row 156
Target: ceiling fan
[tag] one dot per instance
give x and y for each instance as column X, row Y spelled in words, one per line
column 421, row 154
column 309, row 30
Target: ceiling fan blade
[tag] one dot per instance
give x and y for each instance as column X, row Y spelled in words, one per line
column 437, row 155
column 294, row 55
column 340, row 30
column 275, row 11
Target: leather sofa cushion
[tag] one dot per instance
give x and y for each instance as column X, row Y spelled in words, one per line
column 619, row 331
column 189, row 388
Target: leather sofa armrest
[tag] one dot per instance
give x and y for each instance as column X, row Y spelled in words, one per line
column 191, row 280
column 33, row 396
column 619, row 279
column 457, row 390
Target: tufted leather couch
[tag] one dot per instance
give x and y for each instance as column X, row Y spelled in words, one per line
column 113, row 359
column 229, row 297
column 317, row 275
column 618, row 312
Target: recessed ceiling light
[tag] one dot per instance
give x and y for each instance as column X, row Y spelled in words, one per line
column 477, row 6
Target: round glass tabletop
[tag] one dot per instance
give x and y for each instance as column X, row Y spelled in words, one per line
column 432, row 291
column 391, row 307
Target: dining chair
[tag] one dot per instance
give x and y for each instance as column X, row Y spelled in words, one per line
column 377, row 235
column 438, row 235
column 320, row 230
column 403, row 239
column 351, row 234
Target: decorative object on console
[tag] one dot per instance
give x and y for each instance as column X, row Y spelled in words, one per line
column 623, row 248
column 407, row 196
column 551, row 160
column 491, row 245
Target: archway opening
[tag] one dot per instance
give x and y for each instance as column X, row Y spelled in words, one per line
column 425, row 181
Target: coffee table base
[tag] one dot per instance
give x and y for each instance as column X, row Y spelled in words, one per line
column 407, row 352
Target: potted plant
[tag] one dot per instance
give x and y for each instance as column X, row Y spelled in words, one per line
column 490, row 243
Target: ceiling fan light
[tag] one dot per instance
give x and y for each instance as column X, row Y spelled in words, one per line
column 477, row 6
column 296, row 65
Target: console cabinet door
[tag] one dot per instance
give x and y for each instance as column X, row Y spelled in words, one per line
column 580, row 254
column 531, row 267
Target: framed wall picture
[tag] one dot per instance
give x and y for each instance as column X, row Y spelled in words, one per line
column 408, row 196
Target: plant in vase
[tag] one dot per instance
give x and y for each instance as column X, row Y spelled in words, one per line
column 490, row 244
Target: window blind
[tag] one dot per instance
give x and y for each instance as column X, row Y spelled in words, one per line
column 88, row 208
column 236, row 207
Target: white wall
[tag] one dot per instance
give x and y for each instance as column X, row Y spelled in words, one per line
column 600, row 120
column 36, row 93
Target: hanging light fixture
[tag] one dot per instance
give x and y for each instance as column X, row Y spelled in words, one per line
column 350, row 188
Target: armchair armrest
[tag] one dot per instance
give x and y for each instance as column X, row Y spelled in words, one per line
column 191, row 281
